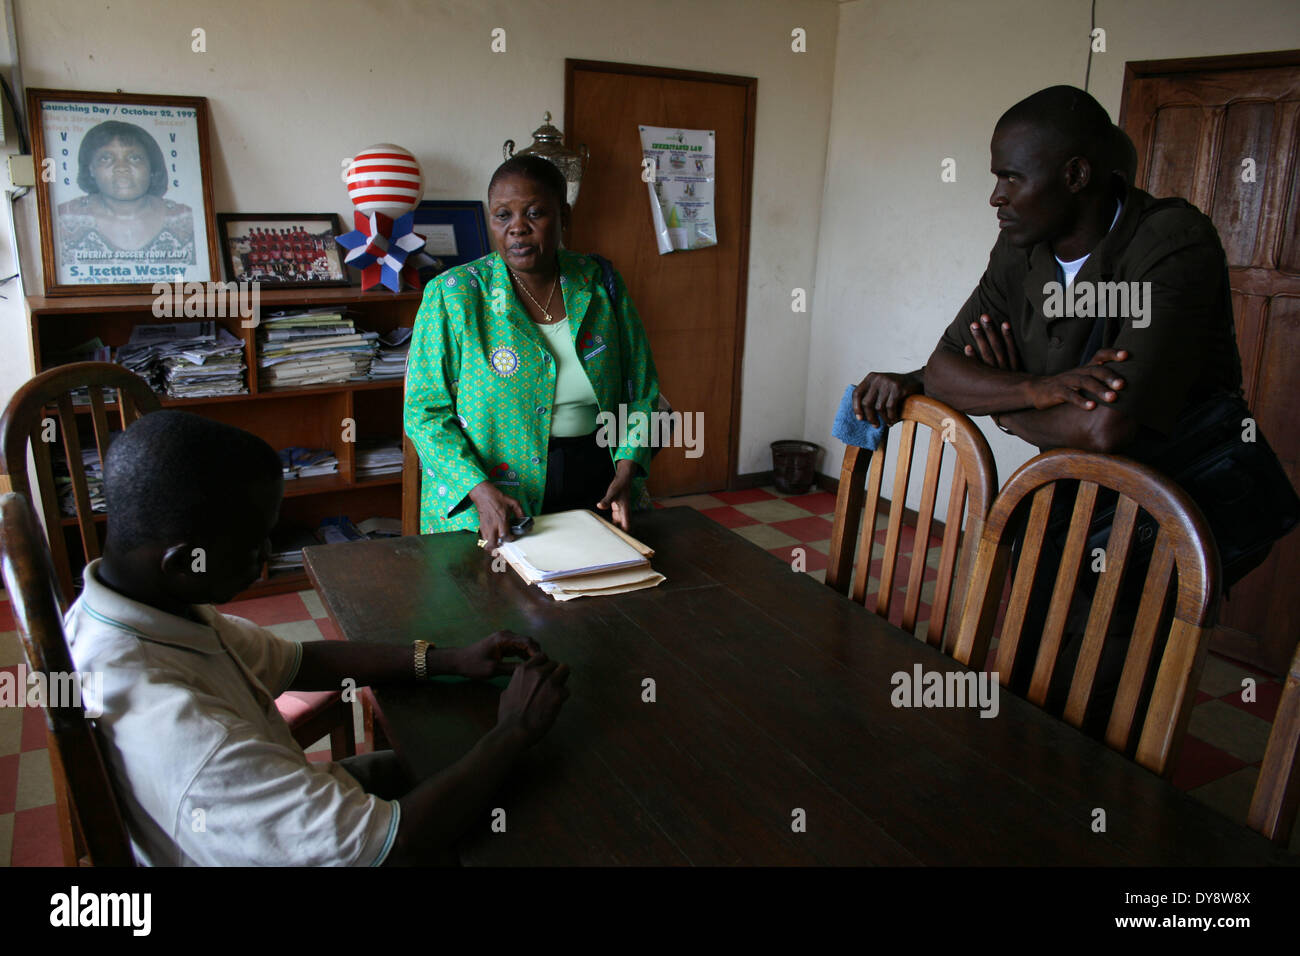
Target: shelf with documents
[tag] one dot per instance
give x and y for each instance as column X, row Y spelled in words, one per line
column 334, row 416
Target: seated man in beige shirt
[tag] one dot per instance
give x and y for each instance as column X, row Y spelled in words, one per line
column 206, row 767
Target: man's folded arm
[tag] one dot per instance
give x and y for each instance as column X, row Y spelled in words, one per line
column 972, row 387
column 1102, row 429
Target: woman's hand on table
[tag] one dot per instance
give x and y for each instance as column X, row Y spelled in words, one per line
column 485, row 659
column 619, row 496
column 496, row 512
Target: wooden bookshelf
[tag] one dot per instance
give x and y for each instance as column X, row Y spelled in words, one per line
column 312, row 417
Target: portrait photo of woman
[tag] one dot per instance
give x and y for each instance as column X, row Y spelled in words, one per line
column 123, row 216
column 124, row 194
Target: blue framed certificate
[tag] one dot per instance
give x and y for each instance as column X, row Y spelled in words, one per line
column 455, row 230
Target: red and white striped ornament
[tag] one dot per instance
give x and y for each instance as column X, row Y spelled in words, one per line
column 385, row 179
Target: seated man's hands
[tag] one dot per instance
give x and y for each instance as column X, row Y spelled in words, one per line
column 496, row 511
column 1080, row 386
column 1076, row 386
column 534, row 697
column 879, row 397
column 619, row 495
column 486, row 658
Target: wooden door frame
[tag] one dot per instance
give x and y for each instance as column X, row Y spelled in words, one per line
column 1225, row 639
column 750, row 84
column 1145, row 69
column 1135, row 70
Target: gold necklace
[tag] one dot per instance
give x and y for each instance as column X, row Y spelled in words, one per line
column 546, row 307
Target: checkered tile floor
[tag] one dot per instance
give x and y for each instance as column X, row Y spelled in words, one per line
column 1219, row 764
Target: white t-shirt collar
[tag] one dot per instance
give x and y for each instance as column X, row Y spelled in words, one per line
column 1071, row 268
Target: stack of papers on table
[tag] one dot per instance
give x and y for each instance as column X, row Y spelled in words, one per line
column 575, row 554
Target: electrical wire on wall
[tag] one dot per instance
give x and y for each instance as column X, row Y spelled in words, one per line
column 1092, row 26
column 13, row 195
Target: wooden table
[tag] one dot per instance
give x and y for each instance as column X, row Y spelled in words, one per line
column 773, row 694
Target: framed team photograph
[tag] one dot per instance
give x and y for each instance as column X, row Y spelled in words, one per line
column 455, row 231
column 124, row 190
column 282, row 248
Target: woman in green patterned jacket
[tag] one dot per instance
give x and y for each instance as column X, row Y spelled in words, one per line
column 512, row 359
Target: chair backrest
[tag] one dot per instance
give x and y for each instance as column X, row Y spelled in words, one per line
column 410, row 487
column 27, row 422
column 1277, row 793
column 972, row 485
column 94, row 832
column 1183, row 545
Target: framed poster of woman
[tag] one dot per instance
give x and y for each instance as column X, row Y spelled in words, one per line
column 124, row 191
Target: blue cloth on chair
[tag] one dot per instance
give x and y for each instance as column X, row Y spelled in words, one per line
column 849, row 430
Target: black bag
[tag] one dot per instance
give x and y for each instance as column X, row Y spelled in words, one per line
column 1239, row 486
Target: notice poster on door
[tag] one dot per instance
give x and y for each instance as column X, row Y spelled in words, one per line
column 677, row 165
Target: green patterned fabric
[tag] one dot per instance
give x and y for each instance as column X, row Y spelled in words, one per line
column 480, row 384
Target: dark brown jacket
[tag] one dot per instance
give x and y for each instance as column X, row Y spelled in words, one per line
column 1183, row 349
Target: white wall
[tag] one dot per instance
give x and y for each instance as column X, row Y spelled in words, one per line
column 917, row 81
column 294, row 86
column 15, row 350
column 886, row 251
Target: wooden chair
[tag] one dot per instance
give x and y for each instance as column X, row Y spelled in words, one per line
column 410, row 487
column 1277, row 792
column 1183, row 545
column 972, row 485
column 91, row 826
column 26, row 422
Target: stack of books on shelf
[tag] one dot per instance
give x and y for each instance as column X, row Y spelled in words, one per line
column 317, row 347
column 391, row 360
column 340, row 530
column 186, row 359
column 380, row 527
column 91, row 350
column 287, row 541
column 379, row 457
column 307, row 462
column 94, row 481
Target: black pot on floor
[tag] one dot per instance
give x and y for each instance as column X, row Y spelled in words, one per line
column 794, row 466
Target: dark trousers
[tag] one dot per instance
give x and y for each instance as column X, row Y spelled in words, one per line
column 383, row 774
column 578, row 473
column 1115, row 648
column 380, row 773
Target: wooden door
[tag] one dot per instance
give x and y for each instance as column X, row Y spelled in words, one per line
column 1222, row 133
column 692, row 303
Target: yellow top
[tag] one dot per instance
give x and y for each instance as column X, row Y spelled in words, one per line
column 574, row 410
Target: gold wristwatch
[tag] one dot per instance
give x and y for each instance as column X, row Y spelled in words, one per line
column 421, row 648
